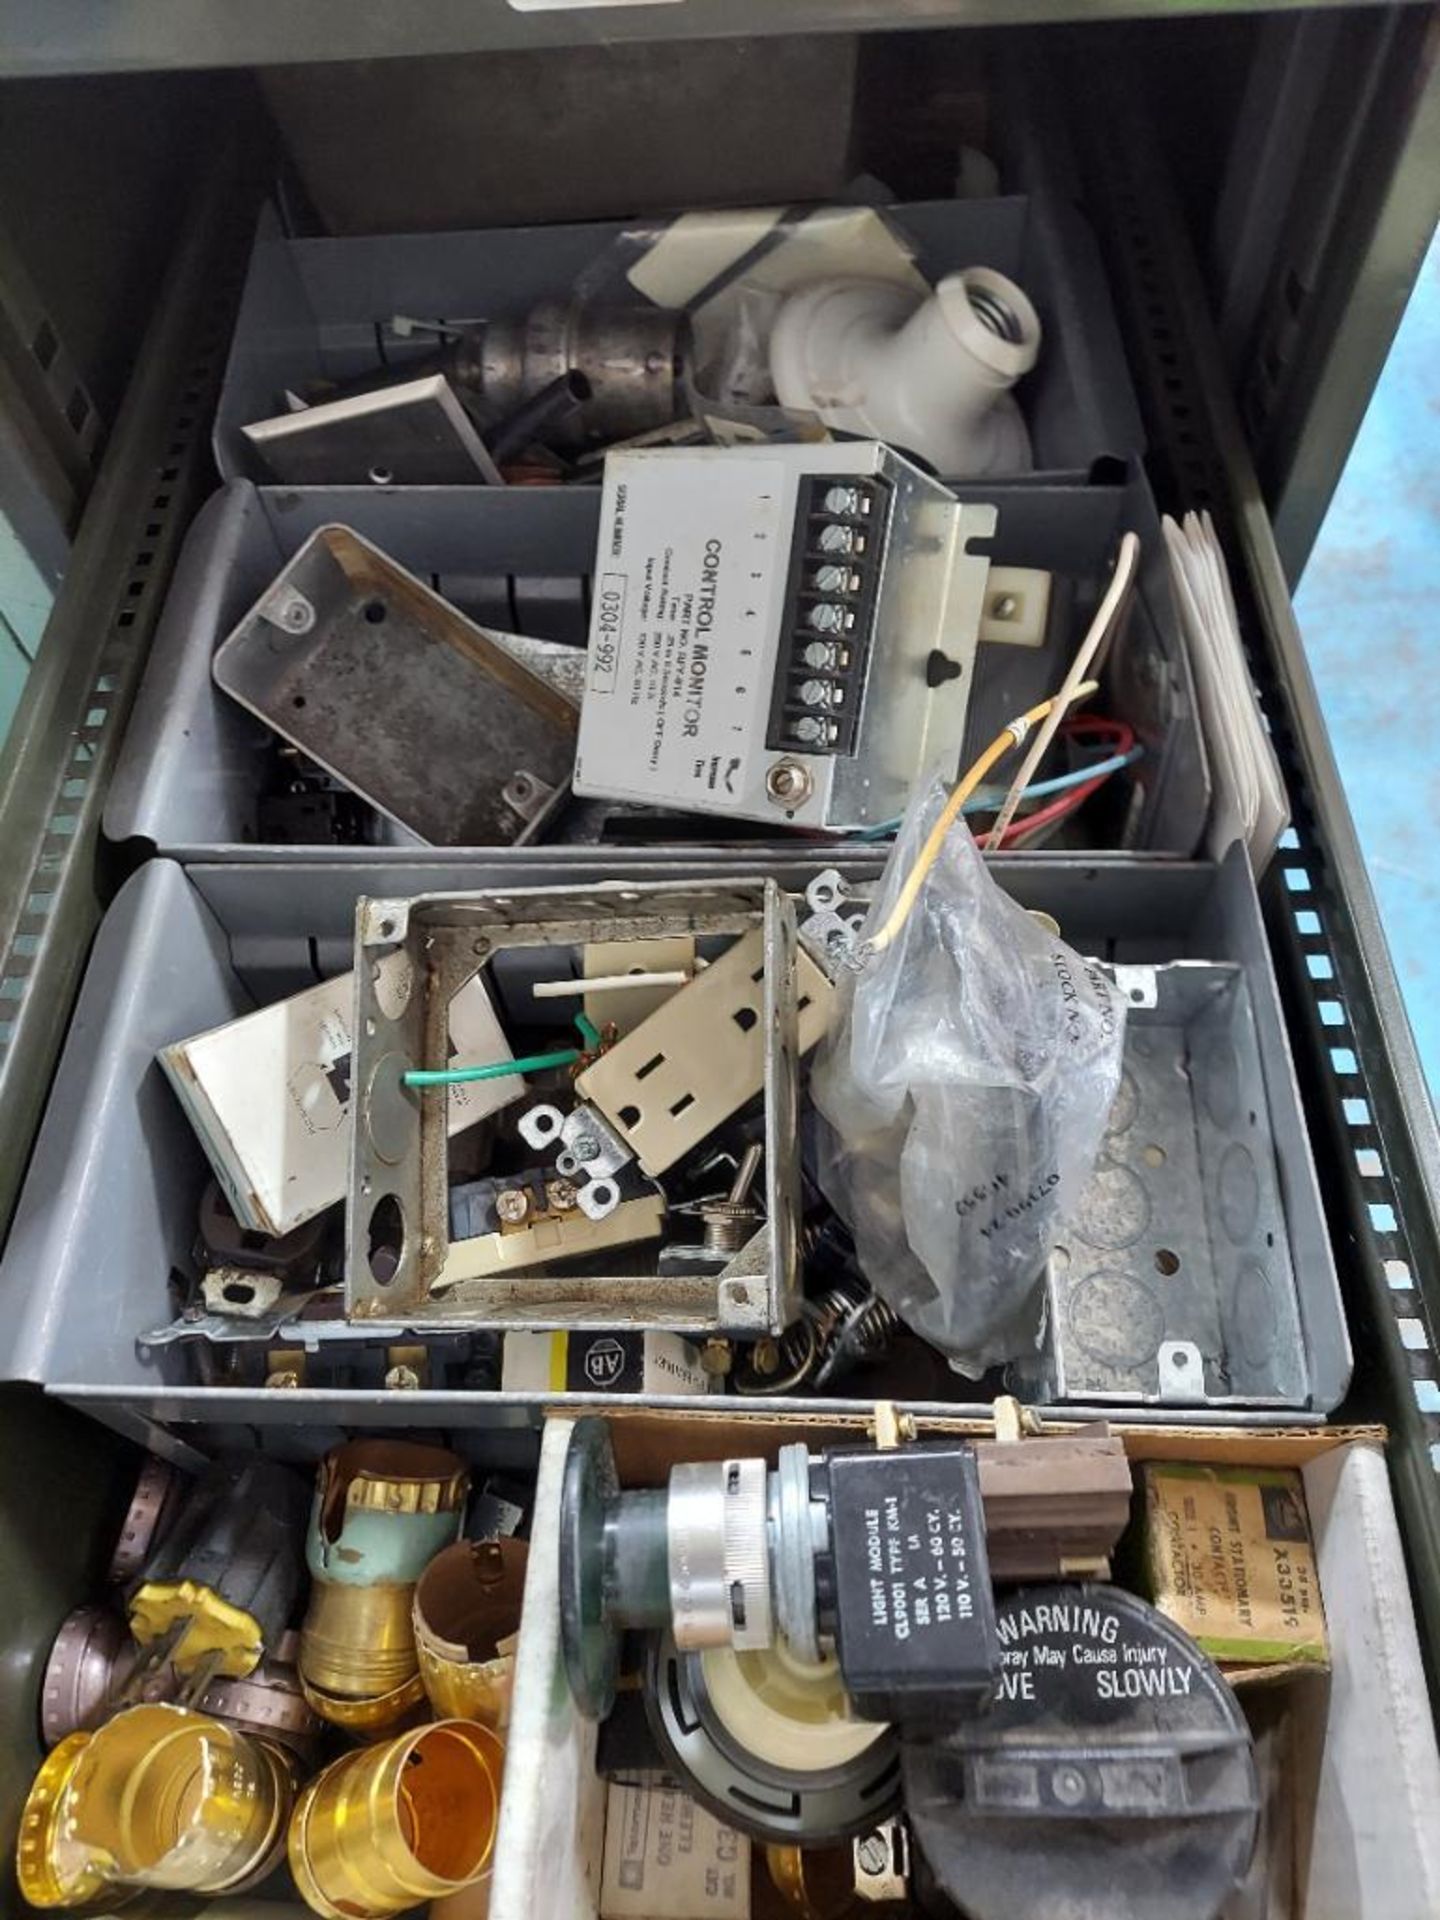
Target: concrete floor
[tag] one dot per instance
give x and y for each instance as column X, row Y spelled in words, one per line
column 1369, row 608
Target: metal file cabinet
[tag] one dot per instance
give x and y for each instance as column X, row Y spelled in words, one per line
column 1261, row 186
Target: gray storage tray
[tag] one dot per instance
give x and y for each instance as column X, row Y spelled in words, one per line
column 314, row 309
column 192, row 762
column 109, row 1205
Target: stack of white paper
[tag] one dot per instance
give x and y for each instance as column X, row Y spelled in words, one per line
column 1250, row 802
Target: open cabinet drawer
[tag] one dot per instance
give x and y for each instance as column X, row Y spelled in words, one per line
column 1347, row 1766
column 110, row 1203
column 1352, row 1829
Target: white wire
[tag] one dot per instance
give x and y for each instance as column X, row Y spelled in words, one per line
column 608, row 983
column 1106, row 614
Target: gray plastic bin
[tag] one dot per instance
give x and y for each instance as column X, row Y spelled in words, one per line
column 321, row 309
column 109, row 1205
column 193, row 763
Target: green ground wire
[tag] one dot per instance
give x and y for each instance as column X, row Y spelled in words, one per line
column 530, row 1063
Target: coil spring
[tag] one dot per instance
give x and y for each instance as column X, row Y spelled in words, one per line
column 842, row 1327
column 860, row 1328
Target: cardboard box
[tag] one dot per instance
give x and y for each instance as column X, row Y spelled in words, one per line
column 621, row 1362
column 666, row 1858
column 1228, row 1556
column 269, row 1094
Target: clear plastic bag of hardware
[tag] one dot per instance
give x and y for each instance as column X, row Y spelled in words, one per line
column 963, row 1090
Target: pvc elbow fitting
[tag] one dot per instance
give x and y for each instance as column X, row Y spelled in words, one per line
column 931, row 376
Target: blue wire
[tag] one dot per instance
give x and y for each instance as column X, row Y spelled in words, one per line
column 986, row 799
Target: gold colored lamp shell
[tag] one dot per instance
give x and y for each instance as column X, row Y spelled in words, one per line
column 816, row 1882
column 53, row 1871
column 390, row 1826
column 390, row 1476
column 358, row 1665
column 365, row 1718
column 164, row 1797
column 467, row 1606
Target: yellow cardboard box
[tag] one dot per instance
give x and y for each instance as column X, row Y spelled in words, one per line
column 1228, row 1557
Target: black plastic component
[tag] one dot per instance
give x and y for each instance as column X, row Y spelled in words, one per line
column 866, row 524
column 242, row 1534
column 905, row 1587
column 939, row 668
column 1112, row 1778
column 536, row 418
column 771, row 1803
column 298, row 1257
column 308, row 813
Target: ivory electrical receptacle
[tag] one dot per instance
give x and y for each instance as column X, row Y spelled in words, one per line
column 698, row 1058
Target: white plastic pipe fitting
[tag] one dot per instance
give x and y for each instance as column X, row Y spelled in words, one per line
column 931, row 376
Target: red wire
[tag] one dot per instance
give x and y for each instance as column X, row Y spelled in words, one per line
column 1122, row 737
column 1118, row 731
column 1058, row 808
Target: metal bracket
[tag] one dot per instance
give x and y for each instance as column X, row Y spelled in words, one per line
column 1182, row 1373
column 239, row 1293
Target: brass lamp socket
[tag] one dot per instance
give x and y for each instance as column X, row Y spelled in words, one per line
column 270, row 1705
column 53, row 1871
column 164, row 1797
column 467, row 1602
column 390, row 1826
column 80, row 1672
column 383, row 1509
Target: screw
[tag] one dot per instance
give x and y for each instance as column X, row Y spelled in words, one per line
column 512, row 1205
column 586, row 1148
column 562, row 1195
column 284, row 1377
column 1004, row 606
column 820, row 653
column 833, row 579
column 815, row 693
column 786, row 783
column 838, row 539
column 297, row 614
column 765, row 1356
column 717, row 1357
column 827, row 615
column 402, row 1380
column 1068, row 1786
column 810, row 732
column 844, row 500
column 872, row 1856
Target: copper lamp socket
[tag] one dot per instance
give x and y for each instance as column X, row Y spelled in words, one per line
column 467, row 1607
column 390, row 1826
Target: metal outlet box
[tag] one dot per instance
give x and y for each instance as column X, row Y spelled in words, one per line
column 1173, row 1280
column 398, row 1241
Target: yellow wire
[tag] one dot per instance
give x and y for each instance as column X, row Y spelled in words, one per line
column 1010, row 737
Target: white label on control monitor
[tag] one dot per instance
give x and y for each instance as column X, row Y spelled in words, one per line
column 677, row 696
